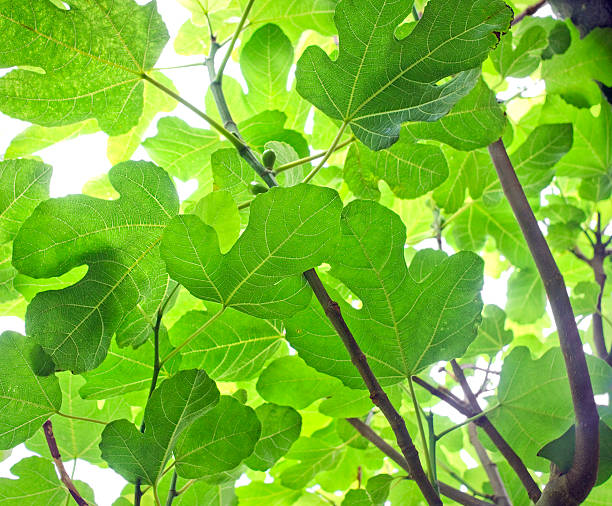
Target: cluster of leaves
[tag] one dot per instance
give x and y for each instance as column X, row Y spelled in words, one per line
column 178, row 342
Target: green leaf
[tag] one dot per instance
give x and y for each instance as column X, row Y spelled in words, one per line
column 561, row 452
column 92, row 61
column 218, row 441
column 402, row 327
column 288, row 381
column 119, row 241
column 24, row 184
column 573, row 73
column 492, row 335
column 78, row 439
column 182, row 150
column 410, row 169
column 591, row 154
column 280, row 427
column 37, row 481
column 378, row 82
column 257, row 492
column 261, row 274
column 474, row 122
column 234, row 347
column 526, row 296
column 584, row 298
column 232, row 174
column 122, row 147
column 8, row 292
column 36, row 138
column 26, row 400
column 294, row 17
column 219, row 211
column 524, row 58
column 533, row 412
column 172, row 408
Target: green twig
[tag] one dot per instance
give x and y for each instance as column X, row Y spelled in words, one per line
column 484, row 412
column 301, row 161
column 228, row 53
column 417, row 410
column 81, row 418
column 328, row 153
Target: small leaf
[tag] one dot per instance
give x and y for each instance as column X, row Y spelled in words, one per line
column 80, row 79
column 492, row 335
column 218, row 210
column 218, row 441
column 378, row 82
column 280, row 427
column 27, row 400
column 524, row 58
column 526, row 296
column 172, row 407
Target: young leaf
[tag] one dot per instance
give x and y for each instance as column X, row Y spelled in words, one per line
column 26, row 399
column 218, row 441
column 280, row 427
column 172, row 407
column 261, row 274
column 92, row 68
column 234, row 347
column 525, row 58
column 402, row 327
column 410, row 169
column 378, row 82
column 118, row 240
column 492, row 335
column 526, row 296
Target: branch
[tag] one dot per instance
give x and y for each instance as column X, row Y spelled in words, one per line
column 515, row 462
column 57, row 458
column 172, row 493
column 389, row 451
column 331, row 308
column 501, row 494
column 529, row 11
column 575, row 485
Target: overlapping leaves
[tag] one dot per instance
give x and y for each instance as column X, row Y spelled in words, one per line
column 119, row 241
column 378, row 82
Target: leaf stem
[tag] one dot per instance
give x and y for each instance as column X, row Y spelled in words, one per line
column 301, row 161
column 57, row 459
column 328, row 153
column 576, row 484
column 81, row 418
column 193, row 335
column 187, row 65
column 238, row 143
column 417, row 410
column 484, row 412
column 228, row 53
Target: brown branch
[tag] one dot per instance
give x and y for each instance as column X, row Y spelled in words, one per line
column 501, row 494
column 389, row 451
column 515, row 462
column 574, row 486
column 529, row 11
column 57, row 458
column 332, row 310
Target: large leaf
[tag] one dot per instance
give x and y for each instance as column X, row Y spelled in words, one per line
column 26, row 400
column 173, row 407
column 218, row 441
column 572, row 74
column 411, row 317
column 92, row 61
column 232, row 348
column 410, row 169
column 280, row 427
column 38, row 483
column 534, row 411
column 474, row 122
column 119, row 242
column 261, row 274
column 378, row 82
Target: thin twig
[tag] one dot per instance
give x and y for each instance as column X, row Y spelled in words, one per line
column 230, row 49
column 529, row 11
column 57, row 458
column 329, row 152
column 301, row 161
column 389, row 451
column 576, row 484
column 172, row 493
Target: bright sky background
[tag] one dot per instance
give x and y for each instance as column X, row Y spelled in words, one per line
column 79, row 160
